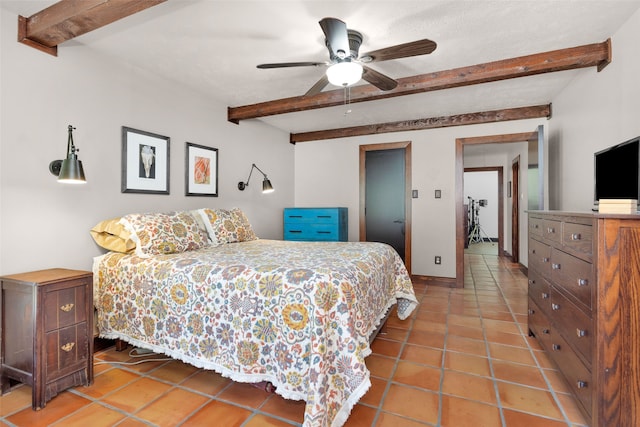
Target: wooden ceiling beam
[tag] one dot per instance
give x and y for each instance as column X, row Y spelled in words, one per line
column 521, row 113
column 592, row 55
column 67, row 19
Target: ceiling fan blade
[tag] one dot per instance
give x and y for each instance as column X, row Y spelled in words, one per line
column 337, row 37
column 317, row 88
column 290, row 64
column 418, row 47
column 378, row 79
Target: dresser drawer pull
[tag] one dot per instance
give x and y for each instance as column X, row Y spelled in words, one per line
column 545, row 259
column 531, row 311
column 555, row 266
column 535, row 226
column 67, row 307
column 68, row 346
column 531, row 281
column 576, row 236
column 582, row 384
column 555, row 307
column 581, row 333
column 295, row 216
column 545, row 331
column 556, row 347
column 533, row 251
column 295, row 231
column 324, row 232
column 324, row 216
column 545, row 295
column 583, row 282
column 551, row 230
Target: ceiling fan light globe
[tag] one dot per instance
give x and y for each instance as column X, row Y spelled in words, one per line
column 344, row 73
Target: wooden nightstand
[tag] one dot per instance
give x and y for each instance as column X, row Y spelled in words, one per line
column 46, row 327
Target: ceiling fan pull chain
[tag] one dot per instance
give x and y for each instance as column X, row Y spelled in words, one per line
column 347, row 100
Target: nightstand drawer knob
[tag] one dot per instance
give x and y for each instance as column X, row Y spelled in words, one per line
column 68, row 346
column 546, row 331
column 556, row 347
column 555, row 307
column 545, row 259
column 582, row 384
column 67, row 307
column 555, row 266
column 581, row 333
column 551, row 230
column 583, row 282
column 545, row 295
column 576, row 236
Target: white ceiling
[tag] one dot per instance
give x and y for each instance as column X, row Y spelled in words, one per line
column 214, row 47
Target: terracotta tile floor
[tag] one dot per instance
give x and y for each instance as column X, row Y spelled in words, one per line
column 463, row 359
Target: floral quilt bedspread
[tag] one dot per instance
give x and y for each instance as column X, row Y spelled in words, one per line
column 297, row 314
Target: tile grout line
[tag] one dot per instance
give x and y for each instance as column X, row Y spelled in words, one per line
column 549, row 387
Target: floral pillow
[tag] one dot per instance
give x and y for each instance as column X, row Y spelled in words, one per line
column 164, row 233
column 227, row 226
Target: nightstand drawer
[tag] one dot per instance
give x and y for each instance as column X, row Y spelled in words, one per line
column 65, row 307
column 311, row 215
column 310, row 232
column 66, row 348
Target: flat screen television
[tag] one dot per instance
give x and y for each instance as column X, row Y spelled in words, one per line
column 617, row 171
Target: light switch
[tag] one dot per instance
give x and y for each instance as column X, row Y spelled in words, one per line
column 414, row 194
column 438, row 194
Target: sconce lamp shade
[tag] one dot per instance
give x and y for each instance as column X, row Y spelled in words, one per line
column 69, row 170
column 266, row 184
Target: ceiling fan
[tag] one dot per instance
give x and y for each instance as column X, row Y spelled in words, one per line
column 346, row 67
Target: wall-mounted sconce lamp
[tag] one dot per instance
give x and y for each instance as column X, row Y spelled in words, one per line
column 69, row 170
column 266, row 184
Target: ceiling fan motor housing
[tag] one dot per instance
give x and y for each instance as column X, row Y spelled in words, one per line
column 355, row 40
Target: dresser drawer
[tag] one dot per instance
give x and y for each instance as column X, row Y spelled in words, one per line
column 66, row 349
column 66, row 306
column 573, row 324
column 552, row 230
column 539, row 324
column 575, row 372
column 540, row 257
column 539, row 291
column 578, row 238
column 535, row 226
column 311, row 215
column 310, row 232
column 573, row 275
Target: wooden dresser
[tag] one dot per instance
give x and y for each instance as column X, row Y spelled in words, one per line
column 584, row 308
column 47, row 339
column 316, row 224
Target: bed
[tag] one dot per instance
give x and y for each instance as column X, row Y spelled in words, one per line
column 296, row 314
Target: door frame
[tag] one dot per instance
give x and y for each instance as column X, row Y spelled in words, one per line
column 500, row 171
column 515, row 210
column 407, row 192
column 459, row 171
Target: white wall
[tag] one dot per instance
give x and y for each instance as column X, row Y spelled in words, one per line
column 483, row 185
column 433, row 166
column 45, row 224
column 595, row 111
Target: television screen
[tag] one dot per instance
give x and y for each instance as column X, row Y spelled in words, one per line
column 617, row 171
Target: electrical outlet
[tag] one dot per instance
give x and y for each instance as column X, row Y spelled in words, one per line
column 438, row 260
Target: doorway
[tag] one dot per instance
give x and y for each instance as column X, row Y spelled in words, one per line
column 483, row 189
column 385, row 203
column 459, row 171
column 515, row 210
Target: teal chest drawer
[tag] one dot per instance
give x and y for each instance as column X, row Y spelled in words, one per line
column 316, row 224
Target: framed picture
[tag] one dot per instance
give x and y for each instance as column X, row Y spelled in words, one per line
column 201, row 170
column 145, row 162
column 509, row 189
